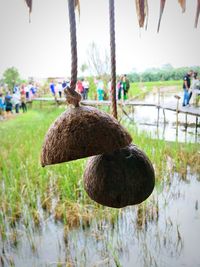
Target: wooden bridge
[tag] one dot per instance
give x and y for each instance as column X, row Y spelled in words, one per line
column 172, row 106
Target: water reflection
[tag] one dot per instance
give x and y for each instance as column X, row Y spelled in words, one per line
column 163, row 125
column 163, row 231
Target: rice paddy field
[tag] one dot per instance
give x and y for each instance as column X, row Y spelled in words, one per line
column 47, row 219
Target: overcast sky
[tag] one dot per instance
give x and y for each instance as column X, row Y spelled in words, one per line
column 42, row 48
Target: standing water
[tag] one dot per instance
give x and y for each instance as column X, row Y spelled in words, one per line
column 163, row 231
column 153, row 121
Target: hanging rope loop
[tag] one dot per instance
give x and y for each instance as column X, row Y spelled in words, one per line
column 72, row 23
column 72, row 96
column 112, row 55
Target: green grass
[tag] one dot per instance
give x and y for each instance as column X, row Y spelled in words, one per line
column 22, row 175
column 159, row 151
column 139, row 90
column 26, row 186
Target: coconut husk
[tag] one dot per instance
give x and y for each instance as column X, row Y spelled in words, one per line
column 142, row 11
column 124, row 177
column 82, row 132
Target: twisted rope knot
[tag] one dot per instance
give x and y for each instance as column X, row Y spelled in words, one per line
column 72, row 96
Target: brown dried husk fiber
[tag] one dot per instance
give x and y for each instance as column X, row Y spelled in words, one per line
column 142, row 11
column 162, row 5
column 29, row 4
column 124, row 177
column 197, row 14
column 182, row 4
column 82, row 132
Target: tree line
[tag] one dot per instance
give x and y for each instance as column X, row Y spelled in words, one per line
column 165, row 73
column 11, row 76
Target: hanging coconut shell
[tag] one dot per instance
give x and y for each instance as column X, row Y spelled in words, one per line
column 82, row 132
column 124, row 177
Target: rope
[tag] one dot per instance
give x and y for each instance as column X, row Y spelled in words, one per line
column 72, row 22
column 113, row 61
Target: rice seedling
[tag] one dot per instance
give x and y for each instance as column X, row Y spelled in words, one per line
column 26, row 187
column 115, row 256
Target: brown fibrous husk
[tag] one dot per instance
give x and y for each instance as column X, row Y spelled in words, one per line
column 82, row 132
column 124, row 177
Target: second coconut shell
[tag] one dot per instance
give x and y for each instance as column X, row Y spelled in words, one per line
column 82, row 132
column 124, row 177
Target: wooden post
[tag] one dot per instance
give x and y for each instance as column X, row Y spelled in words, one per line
column 158, row 106
column 56, row 101
column 176, row 133
column 132, row 109
column 186, row 121
column 158, row 96
column 158, row 117
column 164, row 115
column 196, row 125
column 177, row 106
column 30, row 103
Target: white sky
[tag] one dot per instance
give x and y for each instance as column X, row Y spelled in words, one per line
column 42, row 48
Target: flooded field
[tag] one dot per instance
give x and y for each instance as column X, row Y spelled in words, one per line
column 163, row 231
column 148, row 119
column 46, row 219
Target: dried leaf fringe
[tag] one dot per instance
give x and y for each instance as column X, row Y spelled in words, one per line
column 29, row 4
column 197, row 14
column 147, row 13
column 162, row 5
column 77, row 5
column 142, row 11
column 182, row 4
